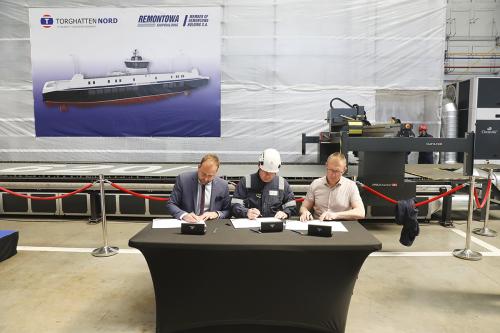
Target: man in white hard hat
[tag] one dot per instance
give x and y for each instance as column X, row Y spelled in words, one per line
column 264, row 193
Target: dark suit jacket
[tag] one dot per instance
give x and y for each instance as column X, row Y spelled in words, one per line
column 185, row 192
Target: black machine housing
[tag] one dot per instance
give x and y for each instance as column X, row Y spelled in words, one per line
column 351, row 120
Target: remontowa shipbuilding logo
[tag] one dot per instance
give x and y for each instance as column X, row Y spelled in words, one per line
column 47, row 21
column 188, row 20
column 158, row 21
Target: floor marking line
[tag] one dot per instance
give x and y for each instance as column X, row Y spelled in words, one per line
column 135, row 251
column 69, row 249
column 426, row 254
column 410, row 254
column 476, row 240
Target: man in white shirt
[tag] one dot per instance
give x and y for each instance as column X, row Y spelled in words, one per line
column 333, row 197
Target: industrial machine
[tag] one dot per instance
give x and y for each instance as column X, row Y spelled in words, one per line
column 351, row 120
column 478, row 101
column 381, row 165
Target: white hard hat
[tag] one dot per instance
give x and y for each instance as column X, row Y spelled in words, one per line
column 270, row 160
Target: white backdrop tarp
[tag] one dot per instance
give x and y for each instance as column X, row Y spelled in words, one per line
column 282, row 62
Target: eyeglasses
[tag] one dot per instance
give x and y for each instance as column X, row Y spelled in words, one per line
column 334, row 170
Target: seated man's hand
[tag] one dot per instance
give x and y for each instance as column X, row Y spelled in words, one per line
column 306, row 216
column 281, row 215
column 192, row 217
column 209, row 216
column 328, row 216
column 253, row 213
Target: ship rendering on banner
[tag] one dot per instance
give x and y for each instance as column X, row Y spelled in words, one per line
column 135, row 85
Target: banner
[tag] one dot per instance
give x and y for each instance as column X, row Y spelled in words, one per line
column 139, row 72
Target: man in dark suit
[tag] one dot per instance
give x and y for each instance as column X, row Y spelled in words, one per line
column 200, row 195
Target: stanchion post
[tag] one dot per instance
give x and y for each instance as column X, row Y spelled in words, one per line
column 467, row 253
column 94, row 202
column 446, row 220
column 485, row 231
column 105, row 251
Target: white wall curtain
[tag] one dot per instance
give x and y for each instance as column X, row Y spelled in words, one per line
column 282, row 62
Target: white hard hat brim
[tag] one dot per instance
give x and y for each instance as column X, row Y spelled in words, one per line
column 268, row 169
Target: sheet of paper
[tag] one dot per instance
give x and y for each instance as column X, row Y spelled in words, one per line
column 245, row 223
column 268, row 219
column 166, row 223
column 170, row 223
column 295, row 225
column 337, row 226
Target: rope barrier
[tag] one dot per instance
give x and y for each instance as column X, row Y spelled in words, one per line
column 425, row 202
column 156, row 198
column 135, row 194
column 149, row 197
column 377, row 193
column 486, row 194
column 453, row 190
column 47, row 198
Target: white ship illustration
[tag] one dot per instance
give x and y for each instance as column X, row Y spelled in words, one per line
column 134, row 85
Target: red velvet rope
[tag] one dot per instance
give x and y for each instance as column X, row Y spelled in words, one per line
column 46, row 198
column 453, row 190
column 135, row 194
column 157, row 198
column 377, row 193
column 486, row 195
column 425, row 202
column 369, row 189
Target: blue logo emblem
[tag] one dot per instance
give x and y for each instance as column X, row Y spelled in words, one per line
column 46, row 21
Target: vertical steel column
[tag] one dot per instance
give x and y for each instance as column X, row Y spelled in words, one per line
column 467, row 253
column 105, row 251
column 485, row 231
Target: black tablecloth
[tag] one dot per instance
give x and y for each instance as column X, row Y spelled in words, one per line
column 235, row 280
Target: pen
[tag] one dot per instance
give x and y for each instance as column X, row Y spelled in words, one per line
column 297, row 232
column 253, row 209
column 255, row 230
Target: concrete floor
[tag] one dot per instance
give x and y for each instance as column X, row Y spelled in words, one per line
column 60, row 287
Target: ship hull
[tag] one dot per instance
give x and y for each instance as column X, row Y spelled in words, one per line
column 122, row 93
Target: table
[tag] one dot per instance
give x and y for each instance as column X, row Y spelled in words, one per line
column 235, row 280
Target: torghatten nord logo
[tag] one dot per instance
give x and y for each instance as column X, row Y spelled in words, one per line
column 46, row 21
